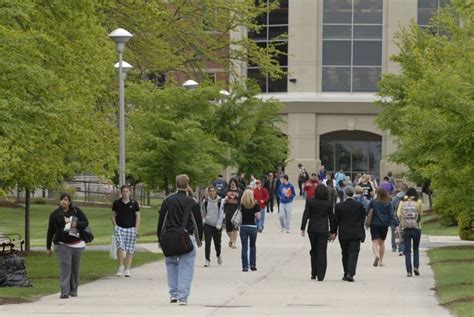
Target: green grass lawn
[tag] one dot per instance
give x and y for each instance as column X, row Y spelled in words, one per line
column 430, row 225
column 13, row 220
column 43, row 272
column 454, row 273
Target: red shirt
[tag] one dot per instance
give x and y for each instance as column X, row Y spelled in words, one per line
column 261, row 195
column 309, row 188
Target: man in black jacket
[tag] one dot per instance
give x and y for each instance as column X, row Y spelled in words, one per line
column 182, row 266
column 349, row 219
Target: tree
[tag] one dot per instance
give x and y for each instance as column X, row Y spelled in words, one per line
column 429, row 110
column 54, row 73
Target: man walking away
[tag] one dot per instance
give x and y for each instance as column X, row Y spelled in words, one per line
column 349, row 220
column 221, row 185
column 287, row 193
column 180, row 268
column 269, row 185
column 126, row 221
column 395, row 203
column 302, row 177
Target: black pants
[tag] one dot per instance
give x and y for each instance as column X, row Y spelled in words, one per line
column 319, row 245
column 278, row 202
column 211, row 233
column 300, row 186
column 350, row 254
column 270, row 204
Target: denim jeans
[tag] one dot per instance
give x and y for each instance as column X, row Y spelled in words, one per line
column 180, row 273
column 285, row 215
column 248, row 233
column 396, row 246
column 415, row 235
column 261, row 221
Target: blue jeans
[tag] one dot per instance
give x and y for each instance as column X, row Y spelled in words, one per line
column 261, row 221
column 246, row 233
column 395, row 246
column 285, row 215
column 180, row 273
column 415, row 235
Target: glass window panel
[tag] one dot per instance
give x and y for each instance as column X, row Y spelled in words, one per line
column 327, row 155
column 284, row 4
column 278, row 85
column 443, row 3
column 367, row 53
column 282, row 58
column 365, row 79
column 375, row 155
column 360, row 162
column 278, row 16
column 368, row 11
column 366, row 32
column 424, row 16
column 336, row 79
column 254, row 73
column 336, row 52
column 337, row 11
column 260, row 35
column 277, row 32
column 338, row 32
column 343, row 155
column 428, row 4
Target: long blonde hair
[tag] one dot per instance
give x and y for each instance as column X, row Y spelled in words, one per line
column 248, row 201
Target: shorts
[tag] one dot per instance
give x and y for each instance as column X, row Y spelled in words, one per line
column 125, row 238
column 378, row 232
column 229, row 226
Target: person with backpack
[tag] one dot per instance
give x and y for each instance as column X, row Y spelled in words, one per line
column 180, row 211
column 383, row 216
column 212, row 215
column 409, row 212
column 395, row 203
column 340, row 178
column 221, row 185
column 64, row 229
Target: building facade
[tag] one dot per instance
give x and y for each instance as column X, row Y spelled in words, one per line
column 337, row 51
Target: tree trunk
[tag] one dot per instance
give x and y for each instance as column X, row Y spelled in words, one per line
column 167, row 189
column 27, row 219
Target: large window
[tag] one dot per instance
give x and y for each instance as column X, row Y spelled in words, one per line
column 352, row 45
column 274, row 24
column 428, row 8
column 356, row 152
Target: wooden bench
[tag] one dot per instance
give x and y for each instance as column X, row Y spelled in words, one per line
column 10, row 241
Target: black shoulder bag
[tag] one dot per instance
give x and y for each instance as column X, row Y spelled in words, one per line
column 176, row 241
column 86, row 233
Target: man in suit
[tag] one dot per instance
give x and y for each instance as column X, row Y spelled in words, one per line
column 349, row 219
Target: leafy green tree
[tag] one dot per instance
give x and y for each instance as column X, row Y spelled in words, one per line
column 429, row 109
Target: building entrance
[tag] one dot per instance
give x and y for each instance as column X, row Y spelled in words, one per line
column 356, row 152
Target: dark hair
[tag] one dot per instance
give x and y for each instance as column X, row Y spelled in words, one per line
column 389, row 174
column 411, row 192
column 235, row 181
column 124, row 186
column 300, row 165
column 382, row 195
column 64, row 195
column 330, row 183
column 322, row 193
column 286, row 177
column 314, row 174
column 386, row 178
column 220, row 175
column 212, row 187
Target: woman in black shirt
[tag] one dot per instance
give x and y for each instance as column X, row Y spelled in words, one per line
column 319, row 212
column 230, row 203
column 65, row 227
column 248, row 230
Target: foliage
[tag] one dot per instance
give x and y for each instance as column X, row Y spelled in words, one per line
column 429, row 108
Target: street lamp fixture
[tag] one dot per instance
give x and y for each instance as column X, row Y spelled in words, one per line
column 190, row 84
column 125, row 68
column 120, row 37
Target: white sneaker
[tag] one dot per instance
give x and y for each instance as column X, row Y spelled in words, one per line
column 120, row 270
column 207, row 263
column 219, row 260
column 128, row 273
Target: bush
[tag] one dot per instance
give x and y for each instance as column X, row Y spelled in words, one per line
column 466, row 227
column 39, row 201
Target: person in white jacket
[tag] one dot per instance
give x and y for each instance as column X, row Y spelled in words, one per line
column 212, row 215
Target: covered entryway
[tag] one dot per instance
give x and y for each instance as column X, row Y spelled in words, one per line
column 353, row 151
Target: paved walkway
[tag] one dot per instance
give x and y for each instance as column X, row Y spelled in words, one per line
column 280, row 287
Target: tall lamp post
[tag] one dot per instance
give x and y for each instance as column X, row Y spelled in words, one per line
column 120, row 37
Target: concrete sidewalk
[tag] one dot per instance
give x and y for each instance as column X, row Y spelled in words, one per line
column 280, row 287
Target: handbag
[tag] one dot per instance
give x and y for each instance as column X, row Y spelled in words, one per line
column 176, row 241
column 237, row 218
column 368, row 220
column 86, row 233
